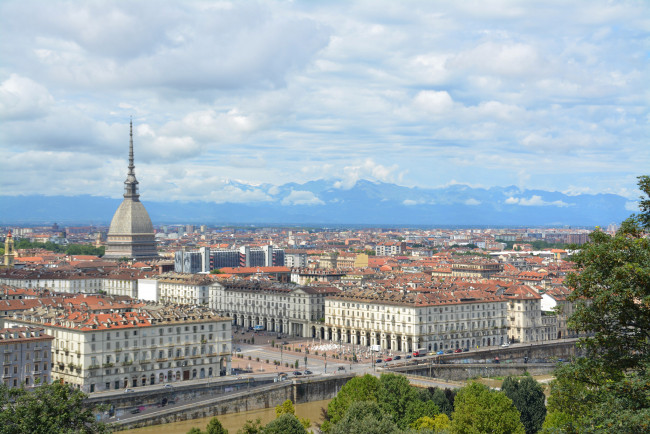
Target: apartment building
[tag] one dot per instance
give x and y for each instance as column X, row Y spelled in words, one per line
column 119, row 282
column 185, row 289
column 284, row 308
column 26, row 356
column 525, row 316
column 390, row 248
column 295, row 260
column 476, row 268
column 402, row 320
column 114, row 350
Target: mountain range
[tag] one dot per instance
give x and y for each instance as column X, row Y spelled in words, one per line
column 324, row 202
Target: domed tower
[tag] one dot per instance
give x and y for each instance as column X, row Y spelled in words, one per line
column 131, row 232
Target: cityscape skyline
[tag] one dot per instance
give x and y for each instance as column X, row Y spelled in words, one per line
column 226, row 97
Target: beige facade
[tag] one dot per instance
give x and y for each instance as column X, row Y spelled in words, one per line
column 96, row 352
column 410, row 321
column 525, row 316
column 26, row 356
column 283, row 308
column 476, row 269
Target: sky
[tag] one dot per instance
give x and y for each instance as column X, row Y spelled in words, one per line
column 549, row 95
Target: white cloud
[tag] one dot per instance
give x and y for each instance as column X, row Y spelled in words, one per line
column 415, row 93
column 535, row 200
column 472, row 201
column 434, row 102
column 632, row 206
column 302, row 197
column 366, row 170
column 22, row 98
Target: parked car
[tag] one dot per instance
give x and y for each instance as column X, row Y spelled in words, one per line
column 128, row 390
column 408, row 356
column 297, row 373
column 389, row 359
column 458, row 350
column 398, row 358
column 238, row 350
column 450, row 351
column 378, row 361
column 307, row 372
column 505, row 344
column 135, row 411
column 168, row 386
column 341, row 368
column 465, row 350
column 440, row 353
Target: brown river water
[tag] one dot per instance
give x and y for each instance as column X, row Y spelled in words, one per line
column 234, row 421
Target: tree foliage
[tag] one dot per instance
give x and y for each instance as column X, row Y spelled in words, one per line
column 607, row 390
column 444, row 399
column 215, row 427
column 251, row 427
column 365, row 417
column 287, row 408
column 528, row 397
column 285, row 424
column 477, row 409
column 356, row 390
column 398, row 398
column 437, row 424
column 284, row 408
column 47, row 409
column 70, row 249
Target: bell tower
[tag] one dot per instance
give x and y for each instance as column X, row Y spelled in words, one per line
column 10, row 253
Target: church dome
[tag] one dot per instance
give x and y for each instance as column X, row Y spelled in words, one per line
column 131, row 218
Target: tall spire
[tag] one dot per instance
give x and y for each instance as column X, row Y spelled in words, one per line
column 131, row 183
column 131, row 165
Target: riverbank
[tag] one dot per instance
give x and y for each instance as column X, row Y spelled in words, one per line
column 234, row 421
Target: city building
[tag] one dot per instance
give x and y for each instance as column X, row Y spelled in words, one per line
column 401, row 320
column 284, row 308
column 390, row 248
column 131, row 233
column 176, row 288
column 26, row 356
column 156, row 344
column 295, row 260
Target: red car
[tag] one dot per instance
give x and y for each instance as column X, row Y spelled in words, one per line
column 458, row 350
column 388, row 359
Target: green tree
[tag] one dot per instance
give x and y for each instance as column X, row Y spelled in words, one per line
column 285, row 407
column 477, row 409
column 215, row 427
column 438, row 424
column 365, row 417
column 47, row 409
column 444, row 399
column 251, row 427
column 195, row 430
column 357, row 389
column 285, row 424
column 396, row 397
column 528, row 397
column 611, row 292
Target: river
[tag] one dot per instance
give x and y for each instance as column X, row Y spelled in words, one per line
column 234, row 421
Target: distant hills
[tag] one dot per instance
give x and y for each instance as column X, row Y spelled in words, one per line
column 325, row 203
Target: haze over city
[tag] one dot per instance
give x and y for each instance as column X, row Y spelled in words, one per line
column 230, row 100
